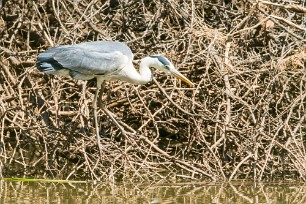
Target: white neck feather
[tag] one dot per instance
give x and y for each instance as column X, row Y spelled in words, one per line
column 131, row 75
column 144, row 75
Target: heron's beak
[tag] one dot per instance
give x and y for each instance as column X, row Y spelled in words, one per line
column 178, row 75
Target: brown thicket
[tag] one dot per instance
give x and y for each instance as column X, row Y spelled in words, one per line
column 244, row 119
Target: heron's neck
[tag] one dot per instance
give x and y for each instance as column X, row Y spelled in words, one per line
column 145, row 71
column 143, row 76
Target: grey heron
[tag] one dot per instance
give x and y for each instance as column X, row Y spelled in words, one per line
column 105, row 61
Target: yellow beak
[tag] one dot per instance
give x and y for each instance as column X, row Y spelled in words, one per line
column 178, row 75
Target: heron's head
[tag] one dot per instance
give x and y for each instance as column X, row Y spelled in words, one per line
column 163, row 64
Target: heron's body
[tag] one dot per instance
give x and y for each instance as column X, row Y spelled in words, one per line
column 88, row 60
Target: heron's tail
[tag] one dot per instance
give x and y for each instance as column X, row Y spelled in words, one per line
column 46, row 63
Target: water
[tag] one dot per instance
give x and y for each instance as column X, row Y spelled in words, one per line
column 44, row 192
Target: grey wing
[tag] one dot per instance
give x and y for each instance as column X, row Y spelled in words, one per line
column 91, row 62
column 89, row 58
column 107, row 46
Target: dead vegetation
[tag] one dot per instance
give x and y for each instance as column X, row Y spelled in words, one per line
column 244, row 119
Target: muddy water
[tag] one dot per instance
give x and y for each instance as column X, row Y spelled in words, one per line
column 43, row 192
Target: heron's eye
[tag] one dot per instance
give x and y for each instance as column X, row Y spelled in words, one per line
column 167, row 67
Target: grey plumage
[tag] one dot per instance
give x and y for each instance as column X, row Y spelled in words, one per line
column 85, row 60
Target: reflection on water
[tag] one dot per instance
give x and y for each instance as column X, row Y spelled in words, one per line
column 43, row 192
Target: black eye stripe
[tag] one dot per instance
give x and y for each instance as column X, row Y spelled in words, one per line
column 162, row 60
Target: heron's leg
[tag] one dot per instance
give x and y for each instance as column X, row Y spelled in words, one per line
column 100, row 103
column 96, row 119
column 107, row 112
